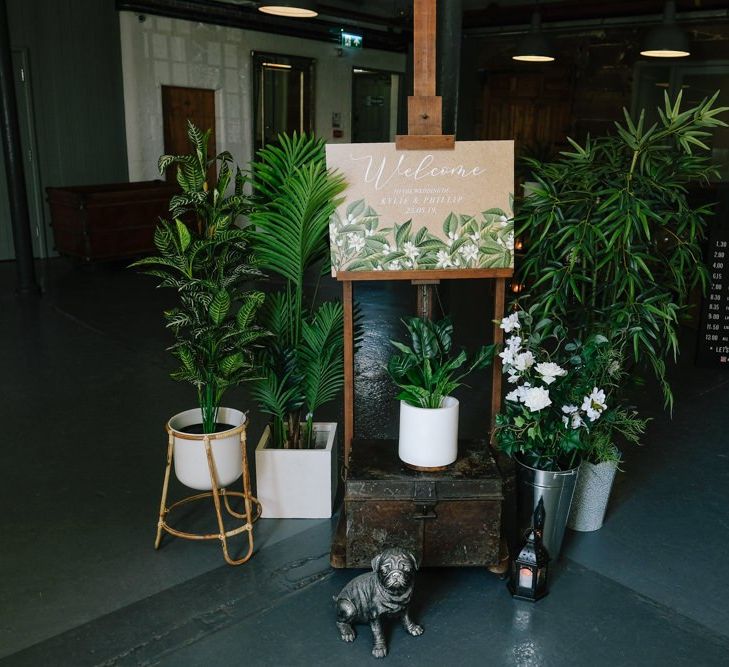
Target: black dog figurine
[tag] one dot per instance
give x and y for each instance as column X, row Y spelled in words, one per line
column 386, row 591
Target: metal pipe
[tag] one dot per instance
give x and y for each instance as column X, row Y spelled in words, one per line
column 684, row 18
column 13, row 152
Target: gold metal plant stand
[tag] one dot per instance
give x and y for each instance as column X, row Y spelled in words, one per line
column 250, row 515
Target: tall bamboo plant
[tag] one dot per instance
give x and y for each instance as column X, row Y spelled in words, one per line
column 302, row 366
column 207, row 263
column 613, row 240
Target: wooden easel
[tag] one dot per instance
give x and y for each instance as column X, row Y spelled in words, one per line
column 425, row 132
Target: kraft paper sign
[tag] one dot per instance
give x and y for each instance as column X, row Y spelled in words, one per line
column 415, row 210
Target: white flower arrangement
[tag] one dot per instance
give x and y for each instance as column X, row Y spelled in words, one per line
column 555, row 401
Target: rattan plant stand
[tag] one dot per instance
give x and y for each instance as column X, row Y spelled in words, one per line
column 220, row 496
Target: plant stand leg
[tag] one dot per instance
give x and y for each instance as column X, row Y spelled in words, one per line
column 165, row 486
column 217, row 492
column 249, row 500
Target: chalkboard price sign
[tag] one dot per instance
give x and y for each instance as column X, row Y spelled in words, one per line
column 713, row 342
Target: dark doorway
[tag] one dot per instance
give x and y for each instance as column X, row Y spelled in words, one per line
column 375, row 96
column 283, row 94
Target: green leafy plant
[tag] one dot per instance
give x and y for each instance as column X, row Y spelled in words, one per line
column 302, row 366
column 214, row 324
column 427, row 371
column 564, row 404
column 613, row 241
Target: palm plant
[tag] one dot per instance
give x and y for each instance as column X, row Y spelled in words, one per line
column 613, row 241
column 302, row 366
column 213, row 325
column 426, row 371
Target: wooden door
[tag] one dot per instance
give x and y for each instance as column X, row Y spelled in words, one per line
column 178, row 105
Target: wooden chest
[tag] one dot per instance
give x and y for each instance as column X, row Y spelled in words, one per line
column 113, row 221
column 448, row 518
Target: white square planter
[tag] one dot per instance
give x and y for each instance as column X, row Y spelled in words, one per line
column 297, row 483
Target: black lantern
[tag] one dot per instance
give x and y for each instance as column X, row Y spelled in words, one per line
column 530, row 568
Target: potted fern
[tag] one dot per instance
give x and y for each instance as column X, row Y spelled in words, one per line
column 427, row 373
column 613, row 241
column 207, row 264
column 302, row 365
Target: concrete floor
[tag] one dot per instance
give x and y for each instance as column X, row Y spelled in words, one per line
column 83, row 397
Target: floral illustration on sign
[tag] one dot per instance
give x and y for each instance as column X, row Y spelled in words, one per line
column 358, row 243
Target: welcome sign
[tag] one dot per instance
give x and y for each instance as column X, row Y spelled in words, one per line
column 415, row 210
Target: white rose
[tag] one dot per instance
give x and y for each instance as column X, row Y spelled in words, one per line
column 523, row 361
column 536, row 398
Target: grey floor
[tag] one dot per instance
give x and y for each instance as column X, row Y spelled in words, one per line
column 83, row 396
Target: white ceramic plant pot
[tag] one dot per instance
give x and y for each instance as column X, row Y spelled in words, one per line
column 429, row 436
column 191, row 462
column 298, row 483
column 592, row 493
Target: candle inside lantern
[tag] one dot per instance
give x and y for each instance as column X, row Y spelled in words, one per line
column 525, row 577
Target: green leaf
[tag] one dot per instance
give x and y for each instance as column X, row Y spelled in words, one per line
column 402, row 233
column 450, row 225
column 183, row 234
column 219, row 307
column 231, row 363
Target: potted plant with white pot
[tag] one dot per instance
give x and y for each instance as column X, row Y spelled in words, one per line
column 613, row 240
column 428, row 372
column 207, row 263
column 301, row 367
column 560, row 399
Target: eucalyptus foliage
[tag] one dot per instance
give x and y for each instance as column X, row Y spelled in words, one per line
column 207, row 264
column 302, row 366
column 426, row 371
column 613, row 241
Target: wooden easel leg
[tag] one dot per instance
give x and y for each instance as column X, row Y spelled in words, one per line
column 502, row 567
column 425, row 300
column 165, row 486
column 499, row 306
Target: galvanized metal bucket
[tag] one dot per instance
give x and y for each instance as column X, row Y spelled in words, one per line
column 556, row 489
column 591, row 495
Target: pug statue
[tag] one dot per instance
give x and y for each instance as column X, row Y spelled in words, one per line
column 386, row 591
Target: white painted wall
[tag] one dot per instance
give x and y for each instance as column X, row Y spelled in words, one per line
column 162, row 51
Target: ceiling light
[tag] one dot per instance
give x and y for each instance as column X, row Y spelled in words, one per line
column 534, row 47
column 290, row 8
column 666, row 40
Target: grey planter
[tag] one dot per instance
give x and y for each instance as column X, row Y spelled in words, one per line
column 556, row 490
column 592, row 493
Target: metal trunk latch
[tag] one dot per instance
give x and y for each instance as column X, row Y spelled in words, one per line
column 425, row 497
